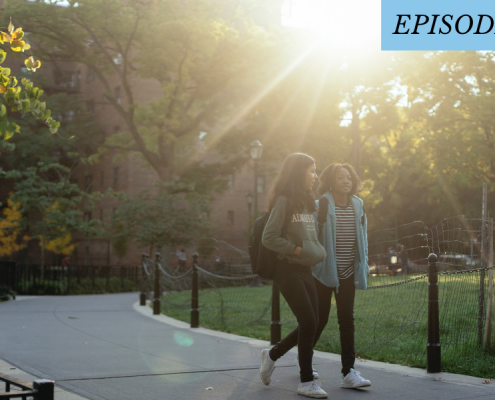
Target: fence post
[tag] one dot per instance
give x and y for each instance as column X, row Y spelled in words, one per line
column 195, row 294
column 433, row 349
column 142, row 295
column 68, row 279
column 488, row 320
column 156, row 299
column 275, row 325
column 45, row 388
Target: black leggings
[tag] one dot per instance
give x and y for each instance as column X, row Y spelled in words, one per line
column 297, row 285
column 345, row 316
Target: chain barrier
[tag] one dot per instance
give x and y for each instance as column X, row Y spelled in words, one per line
column 399, row 283
column 465, row 271
column 228, row 278
column 172, row 276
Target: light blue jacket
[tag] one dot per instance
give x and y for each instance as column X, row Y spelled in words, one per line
column 326, row 271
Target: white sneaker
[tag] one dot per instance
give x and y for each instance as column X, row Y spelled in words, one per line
column 315, row 372
column 354, row 380
column 312, row 390
column 267, row 367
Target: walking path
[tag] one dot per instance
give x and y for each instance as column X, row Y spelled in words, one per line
column 107, row 347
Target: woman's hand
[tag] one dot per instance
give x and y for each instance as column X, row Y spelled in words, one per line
column 297, row 251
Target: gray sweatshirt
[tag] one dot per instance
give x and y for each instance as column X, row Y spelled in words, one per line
column 301, row 232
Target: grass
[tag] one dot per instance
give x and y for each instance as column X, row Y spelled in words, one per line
column 391, row 323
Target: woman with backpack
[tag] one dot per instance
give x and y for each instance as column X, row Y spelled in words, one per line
column 342, row 232
column 290, row 231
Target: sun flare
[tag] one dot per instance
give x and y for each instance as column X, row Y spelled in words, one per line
column 351, row 25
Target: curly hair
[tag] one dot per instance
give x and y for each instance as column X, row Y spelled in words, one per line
column 329, row 175
column 290, row 183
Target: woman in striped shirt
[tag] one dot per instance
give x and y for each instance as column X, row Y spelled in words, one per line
column 343, row 235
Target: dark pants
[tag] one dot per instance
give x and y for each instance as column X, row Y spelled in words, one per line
column 297, row 285
column 345, row 316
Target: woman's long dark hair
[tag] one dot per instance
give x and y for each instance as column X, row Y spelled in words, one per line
column 290, row 183
column 329, row 175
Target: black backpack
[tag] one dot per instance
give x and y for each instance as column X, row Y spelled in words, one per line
column 263, row 260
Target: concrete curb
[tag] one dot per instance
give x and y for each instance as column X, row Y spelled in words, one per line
column 398, row 369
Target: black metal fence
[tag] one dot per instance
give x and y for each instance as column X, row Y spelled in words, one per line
column 41, row 389
column 65, row 280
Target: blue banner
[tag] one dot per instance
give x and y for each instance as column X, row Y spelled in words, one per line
column 438, row 25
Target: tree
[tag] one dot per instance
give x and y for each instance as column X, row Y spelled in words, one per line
column 154, row 220
column 11, row 230
column 23, row 98
column 51, row 206
column 203, row 66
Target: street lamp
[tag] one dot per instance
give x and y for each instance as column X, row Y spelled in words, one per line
column 256, row 150
column 249, row 202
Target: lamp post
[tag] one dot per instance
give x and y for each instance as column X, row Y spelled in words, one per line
column 256, row 151
column 249, row 202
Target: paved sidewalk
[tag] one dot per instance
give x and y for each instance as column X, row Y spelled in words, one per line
column 101, row 347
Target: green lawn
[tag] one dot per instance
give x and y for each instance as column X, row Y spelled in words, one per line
column 391, row 323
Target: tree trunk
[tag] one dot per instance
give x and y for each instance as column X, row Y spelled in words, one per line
column 356, row 141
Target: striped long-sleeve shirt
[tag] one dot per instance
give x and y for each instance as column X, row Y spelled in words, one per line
column 345, row 241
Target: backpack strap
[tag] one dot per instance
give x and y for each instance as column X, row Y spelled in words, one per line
column 322, row 215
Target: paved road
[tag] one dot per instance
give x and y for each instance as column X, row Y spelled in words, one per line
column 100, row 347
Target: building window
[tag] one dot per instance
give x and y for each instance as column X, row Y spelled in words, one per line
column 230, row 217
column 90, row 74
column 88, row 183
column 115, row 176
column 90, row 106
column 260, row 184
column 101, row 214
column 102, row 179
column 116, row 129
column 87, row 216
column 231, row 182
column 117, row 95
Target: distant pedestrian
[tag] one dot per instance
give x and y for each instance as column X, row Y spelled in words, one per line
column 404, row 259
column 290, row 232
column 181, row 255
column 344, row 237
column 392, row 262
column 66, row 261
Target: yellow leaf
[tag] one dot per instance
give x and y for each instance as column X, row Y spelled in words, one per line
column 11, row 27
column 18, row 34
column 31, row 64
column 3, row 89
column 18, row 45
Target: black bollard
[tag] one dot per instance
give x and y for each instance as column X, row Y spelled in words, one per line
column 142, row 295
column 45, row 389
column 433, row 349
column 195, row 294
column 275, row 326
column 156, row 299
